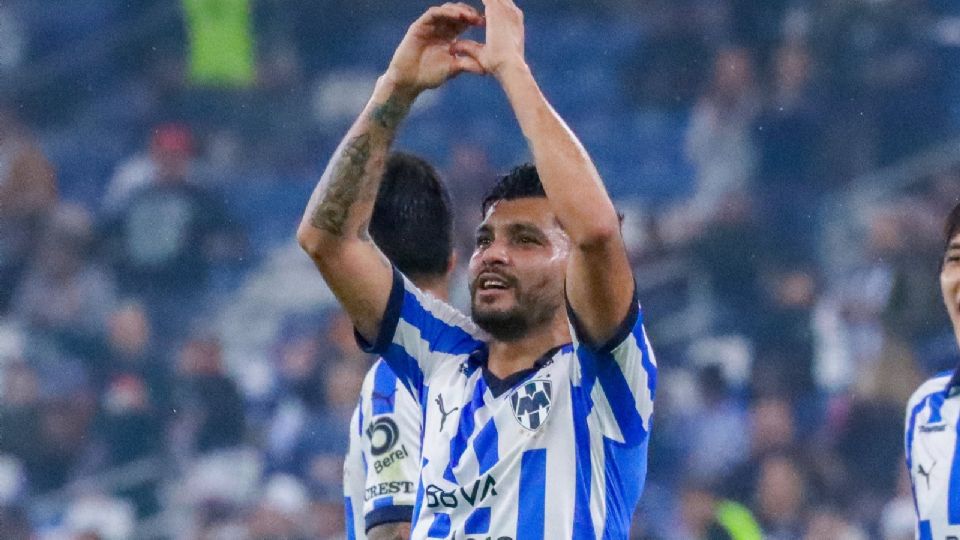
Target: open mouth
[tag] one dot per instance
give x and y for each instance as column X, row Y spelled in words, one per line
column 490, row 282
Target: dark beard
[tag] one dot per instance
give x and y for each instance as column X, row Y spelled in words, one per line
column 531, row 312
column 503, row 326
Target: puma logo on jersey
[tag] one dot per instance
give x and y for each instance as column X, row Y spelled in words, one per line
column 445, row 413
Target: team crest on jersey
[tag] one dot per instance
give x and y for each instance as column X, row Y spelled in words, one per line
column 531, row 403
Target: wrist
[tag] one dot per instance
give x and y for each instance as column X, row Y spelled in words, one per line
column 389, row 87
column 513, row 71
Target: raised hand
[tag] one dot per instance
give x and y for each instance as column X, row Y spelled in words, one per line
column 427, row 57
column 504, row 41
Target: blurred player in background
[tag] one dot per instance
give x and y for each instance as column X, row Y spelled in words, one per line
column 933, row 413
column 412, row 224
column 537, row 407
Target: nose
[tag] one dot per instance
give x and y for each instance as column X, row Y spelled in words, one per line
column 495, row 254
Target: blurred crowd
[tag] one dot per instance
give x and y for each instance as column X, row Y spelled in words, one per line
column 171, row 366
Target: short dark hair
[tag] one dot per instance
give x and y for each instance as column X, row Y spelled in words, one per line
column 952, row 226
column 412, row 221
column 522, row 181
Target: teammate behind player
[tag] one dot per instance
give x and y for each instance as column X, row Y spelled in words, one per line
column 932, row 419
column 412, row 224
column 536, row 427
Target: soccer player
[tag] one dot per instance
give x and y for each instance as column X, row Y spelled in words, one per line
column 413, row 225
column 933, row 417
column 536, row 407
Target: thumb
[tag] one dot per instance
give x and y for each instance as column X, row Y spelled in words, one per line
column 466, row 47
column 467, row 63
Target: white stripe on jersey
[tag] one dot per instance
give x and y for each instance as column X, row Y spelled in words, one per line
column 931, row 426
column 383, row 463
column 555, row 452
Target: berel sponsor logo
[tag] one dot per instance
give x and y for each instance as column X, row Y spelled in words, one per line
column 395, row 456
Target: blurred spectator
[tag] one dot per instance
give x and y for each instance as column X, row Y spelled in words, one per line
column 772, row 430
column 28, row 191
column 781, row 495
column 20, row 414
column 783, row 364
column 210, row 410
column 66, row 293
column 790, row 177
column 161, row 244
column 729, row 250
column 718, row 139
column 170, row 154
column 707, row 517
column 716, row 429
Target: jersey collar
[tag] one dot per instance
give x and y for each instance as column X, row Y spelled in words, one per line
column 497, row 386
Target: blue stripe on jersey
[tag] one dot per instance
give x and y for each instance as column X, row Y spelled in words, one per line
column 405, row 367
column 621, row 400
column 360, row 416
column 486, row 444
column 936, row 402
column 441, row 336
column 418, row 502
column 582, row 520
column 478, row 522
column 911, row 424
column 382, row 502
column 458, row 444
column 953, row 489
column 624, row 469
column 533, row 481
column 926, row 533
column 384, row 396
column 440, row 527
column 348, row 510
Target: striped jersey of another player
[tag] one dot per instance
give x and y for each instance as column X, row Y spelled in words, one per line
column 382, row 464
column 932, row 421
column 556, row 451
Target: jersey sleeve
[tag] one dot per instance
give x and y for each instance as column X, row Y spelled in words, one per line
column 619, row 376
column 391, row 425
column 418, row 333
column 354, row 473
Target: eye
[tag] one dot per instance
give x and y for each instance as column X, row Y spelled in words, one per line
column 527, row 240
column 483, row 241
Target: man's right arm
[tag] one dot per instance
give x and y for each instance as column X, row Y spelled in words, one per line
column 333, row 230
column 334, row 227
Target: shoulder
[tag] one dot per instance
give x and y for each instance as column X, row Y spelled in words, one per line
column 934, row 384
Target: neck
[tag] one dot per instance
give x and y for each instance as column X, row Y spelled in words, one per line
column 508, row 357
column 437, row 287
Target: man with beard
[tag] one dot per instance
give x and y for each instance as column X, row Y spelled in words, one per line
column 933, row 411
column 537, row 407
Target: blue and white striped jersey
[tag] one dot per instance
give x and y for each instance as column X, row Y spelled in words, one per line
column 382, row 465
column 556, row 451
column 933, row 418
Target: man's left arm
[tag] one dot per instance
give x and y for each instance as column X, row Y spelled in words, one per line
column 599, row 279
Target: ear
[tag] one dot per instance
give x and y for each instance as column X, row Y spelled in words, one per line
column 452, row 263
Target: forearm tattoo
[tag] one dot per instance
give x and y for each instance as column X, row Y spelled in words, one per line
column 349, row 181
column 345, row 186
column 390, row 113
